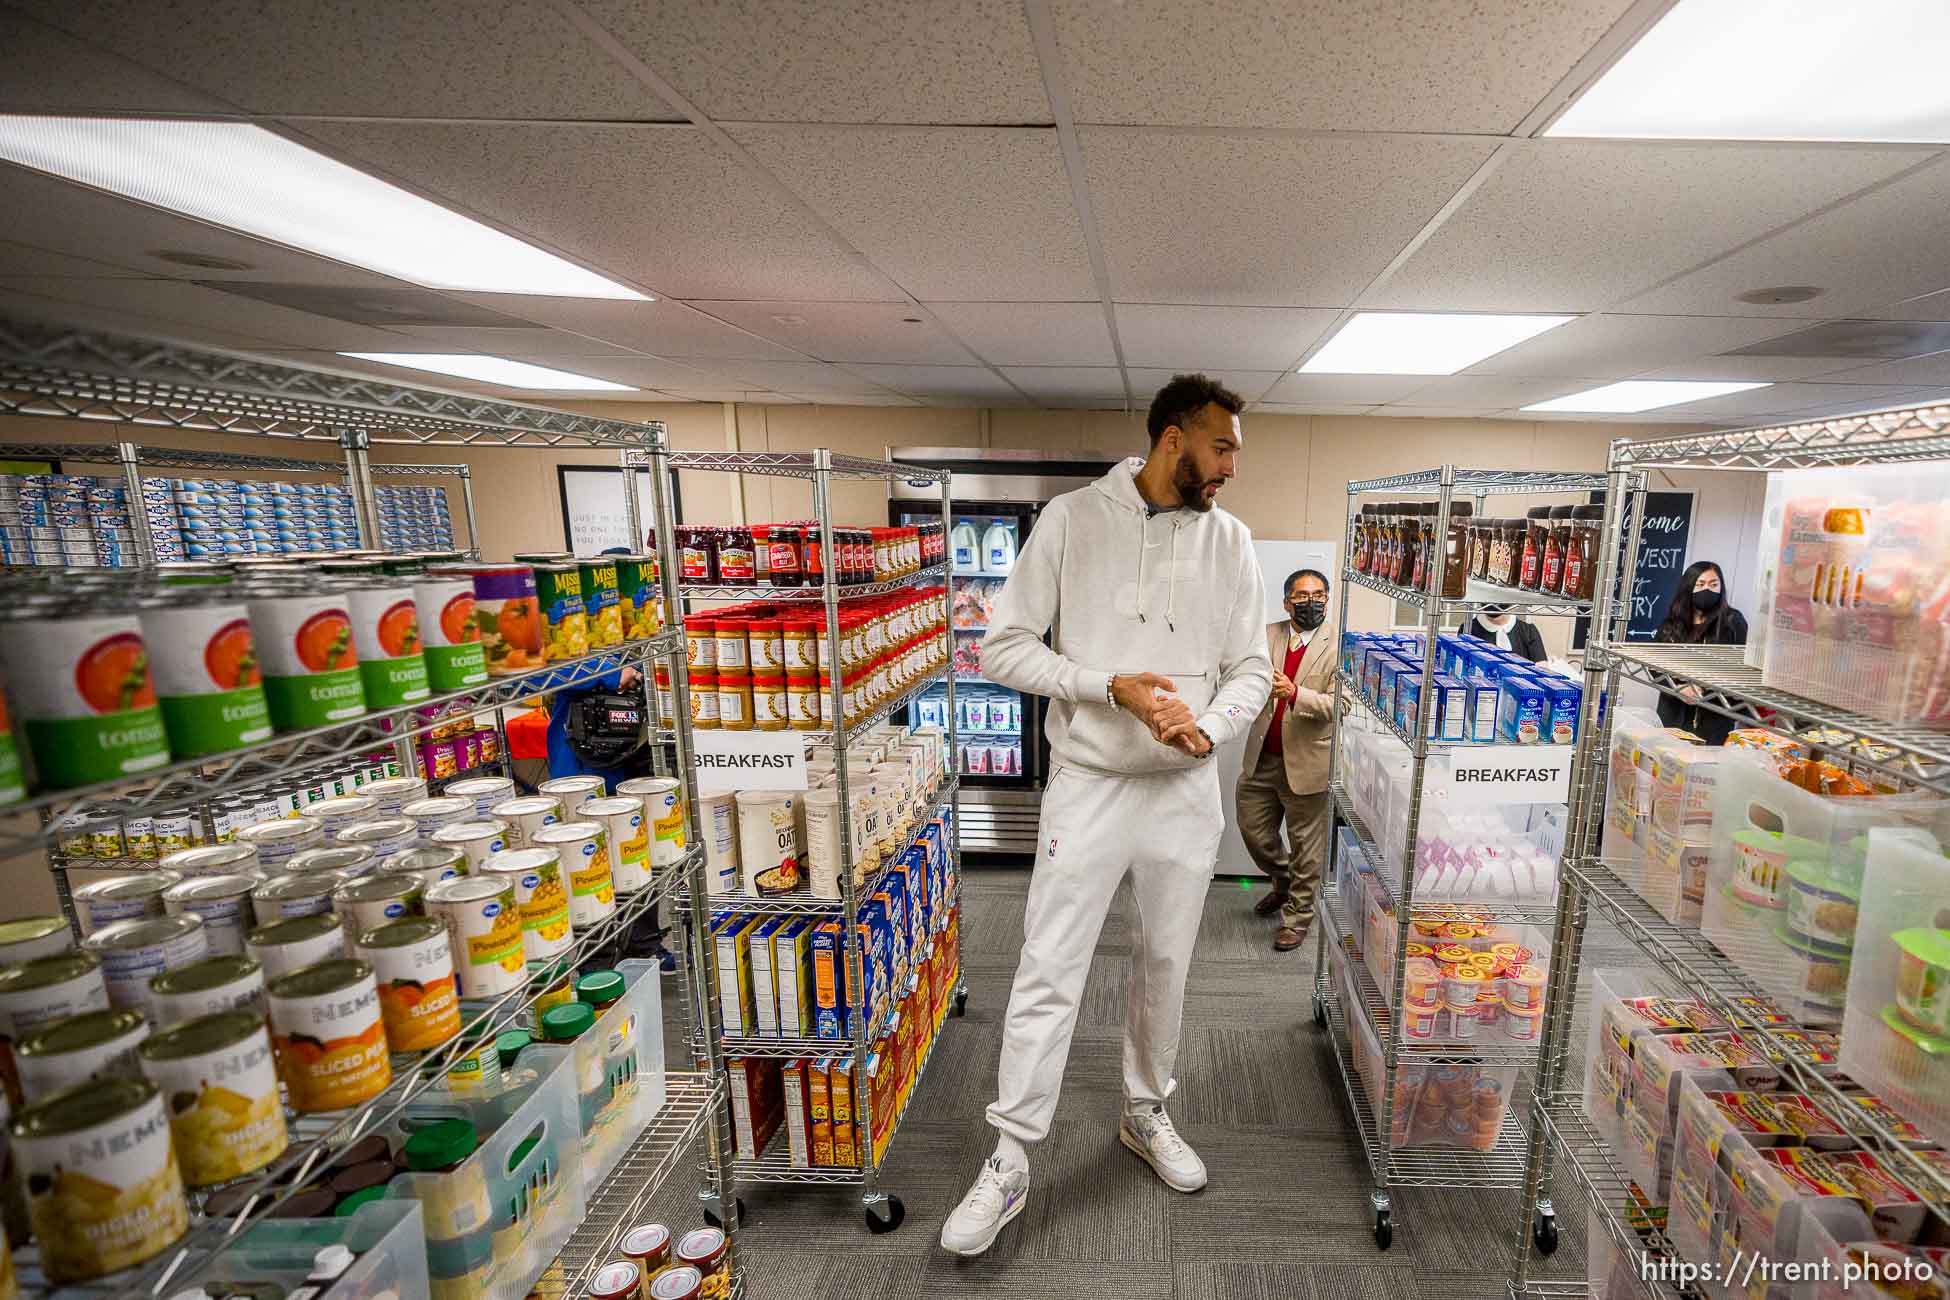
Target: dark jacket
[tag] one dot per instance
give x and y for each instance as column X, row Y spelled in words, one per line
column 1525, row 639
column 1729, row 629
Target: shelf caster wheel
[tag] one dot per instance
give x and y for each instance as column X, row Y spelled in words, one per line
column 1543, row 1231
column 1384, row 1229
column 1320, row 1010
column 711, row 1215
column 896, row 1215
column 961, row 1003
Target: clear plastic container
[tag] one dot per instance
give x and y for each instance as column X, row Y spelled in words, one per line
column 626, row 1047
column 386, row 1235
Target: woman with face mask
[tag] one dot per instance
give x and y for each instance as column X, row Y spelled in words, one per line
column 1497, row 625
column 1699, row 614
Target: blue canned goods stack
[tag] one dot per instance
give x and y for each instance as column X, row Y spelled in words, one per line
column 414, row 519
column 311, row 517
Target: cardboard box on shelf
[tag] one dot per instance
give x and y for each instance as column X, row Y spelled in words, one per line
column 798, row 1117
column 792, row 977
column 819, row 1104
column 757, row 1101
column 840, row 1082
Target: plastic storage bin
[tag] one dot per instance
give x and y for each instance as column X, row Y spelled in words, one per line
column 530, row 1161
column 386, row 1235
column 622, row 1056
column 1629, row 1008
column 1896, row 1034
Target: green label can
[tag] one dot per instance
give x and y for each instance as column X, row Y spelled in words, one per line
column 565, row 619
column 13, row 785
column 386, row 632
column 86, row 696
column 600, row 599
column 636, row 587
column 311, row 667
column 450, row 632
column 208, row 679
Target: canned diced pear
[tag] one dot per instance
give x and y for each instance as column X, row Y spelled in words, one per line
column 219, row 1082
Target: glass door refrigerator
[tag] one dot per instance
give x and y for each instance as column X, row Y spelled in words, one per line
column 1004, row 757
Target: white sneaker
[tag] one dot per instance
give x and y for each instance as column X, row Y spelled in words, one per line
column 1150, row 1134
column 997, row 1197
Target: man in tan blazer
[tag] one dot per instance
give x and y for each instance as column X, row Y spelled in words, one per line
column 1284, row 773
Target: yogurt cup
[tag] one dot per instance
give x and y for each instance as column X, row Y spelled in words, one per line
column 1923, row 978
column 1822, row 903
column 1523, row 991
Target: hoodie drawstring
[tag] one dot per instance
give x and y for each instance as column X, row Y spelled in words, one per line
column 1140, row 577
column 1171, row 579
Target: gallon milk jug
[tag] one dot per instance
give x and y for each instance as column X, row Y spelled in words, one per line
column 999, row 549
column 967, row 548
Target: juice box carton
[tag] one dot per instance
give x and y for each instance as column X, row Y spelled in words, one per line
column 792, row 975
column 839, row 1079
column 735, row 1000
column 798, row 1119
column 819, row 1104
column 765, row 993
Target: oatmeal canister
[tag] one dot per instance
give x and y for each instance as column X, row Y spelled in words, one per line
column 509, row 618
column 291, row 945
column 451, row 636
column 601, row 598
column 133, row 952
column 209, row 684
column 584, row 848
column 224, row 903
column 326, row 1029
column 104, row 1191
column 386, row 635
column 484, row 932
column 414, row 966
column 123, row 898
column 540, row 894
column 629, row 843
column 87, row 699
column 68, row 1053
column 311, row 665
column 206, row 987
column 221, row 1082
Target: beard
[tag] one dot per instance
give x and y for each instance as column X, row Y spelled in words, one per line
column 1191, row 487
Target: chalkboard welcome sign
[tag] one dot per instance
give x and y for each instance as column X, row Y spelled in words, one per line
column 1663, row 539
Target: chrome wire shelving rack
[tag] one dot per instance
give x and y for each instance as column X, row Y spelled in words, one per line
column 1616, row 892
column 1348, row 1001
column 47, row 371
column 883, row 1211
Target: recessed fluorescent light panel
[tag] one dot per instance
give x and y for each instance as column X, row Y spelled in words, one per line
column 245, row 178
column 492, row 370
column 1421, row 343
column 1777, row 70
column 1641, row 395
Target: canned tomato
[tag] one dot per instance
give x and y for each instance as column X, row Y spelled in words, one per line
column 380, row 899
column 393, row 793
column 526, row 815
column 636, row 589
column 33, row 936
column 285, row 946
column 68, row 1053
column 663, row 808
column 381, row 835
column 600, row 598
column 485, row 791
column 565, row 619
column 86, row 698
column 541, row 896
column 451, row 637
column 221, row 1081
column 574, row 791
column 476, row 839
column 101, row 903
column 326, row 1030
column 13, row 785
column 206, row 987
column 509, row 618
column 40, row 991
column 432, row 863
column 237, row 858
column 209, row 683
column 629, row 843
column 429, row 815
column 414, row 965
column 484, row 933
column 346, row 861
column 386, row 633
column 584, row 850
column 277, row 842
column 311, row 666
column 224, row 903
column 103, row 1189
column 132, row 952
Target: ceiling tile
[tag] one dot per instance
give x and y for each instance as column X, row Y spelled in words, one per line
column 1254, row 338
column 1440, row 412
column 1874, row 399
column 1933, row 369
column 814, row 61
column 790, row 376
column 1050, row 382
column 515, row 341
column 1308, row 408
column 1396, row 65
column 663, row 327
column 1489, row 392
column 1264, row 220
column 51, row 71
column 939, row 381
column 1249, row 384
column 1572, row 225
column 948, row 212
column 1759, row 404
column 1929, row 306
column 1031, row 333
column 38, row 307
column 845, row 331
column 429, row 58
column 1770, row 369
column 661, row 207
column 24, row 259
column 637, row 372
column 195, row 307
column 1344, row 390
column 1614, row 346
column 1882, row 247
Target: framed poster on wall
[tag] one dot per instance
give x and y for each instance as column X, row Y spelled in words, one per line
column 593, row 512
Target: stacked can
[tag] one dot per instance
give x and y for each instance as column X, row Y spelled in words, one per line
column 413, row 518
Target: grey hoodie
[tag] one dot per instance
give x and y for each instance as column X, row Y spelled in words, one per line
column 1178, row 593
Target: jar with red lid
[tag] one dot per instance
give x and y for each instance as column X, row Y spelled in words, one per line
column 1536, row 536
column 736, row 565
column 813, row 557
column 732, row 638
column 761, row 555
column 1551, row 579
column 704, row 700
column 700, row 643
column 787, row 568
column 766, row 637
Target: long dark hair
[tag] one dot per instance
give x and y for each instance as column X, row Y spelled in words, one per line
column 1679, row 614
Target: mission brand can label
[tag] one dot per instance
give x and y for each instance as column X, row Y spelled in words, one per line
column 600, row 597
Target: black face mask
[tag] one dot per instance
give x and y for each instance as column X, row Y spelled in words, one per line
column 1308, row 616
column 1706, row 601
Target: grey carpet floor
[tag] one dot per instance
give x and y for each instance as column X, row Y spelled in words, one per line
column 1286, row 1213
